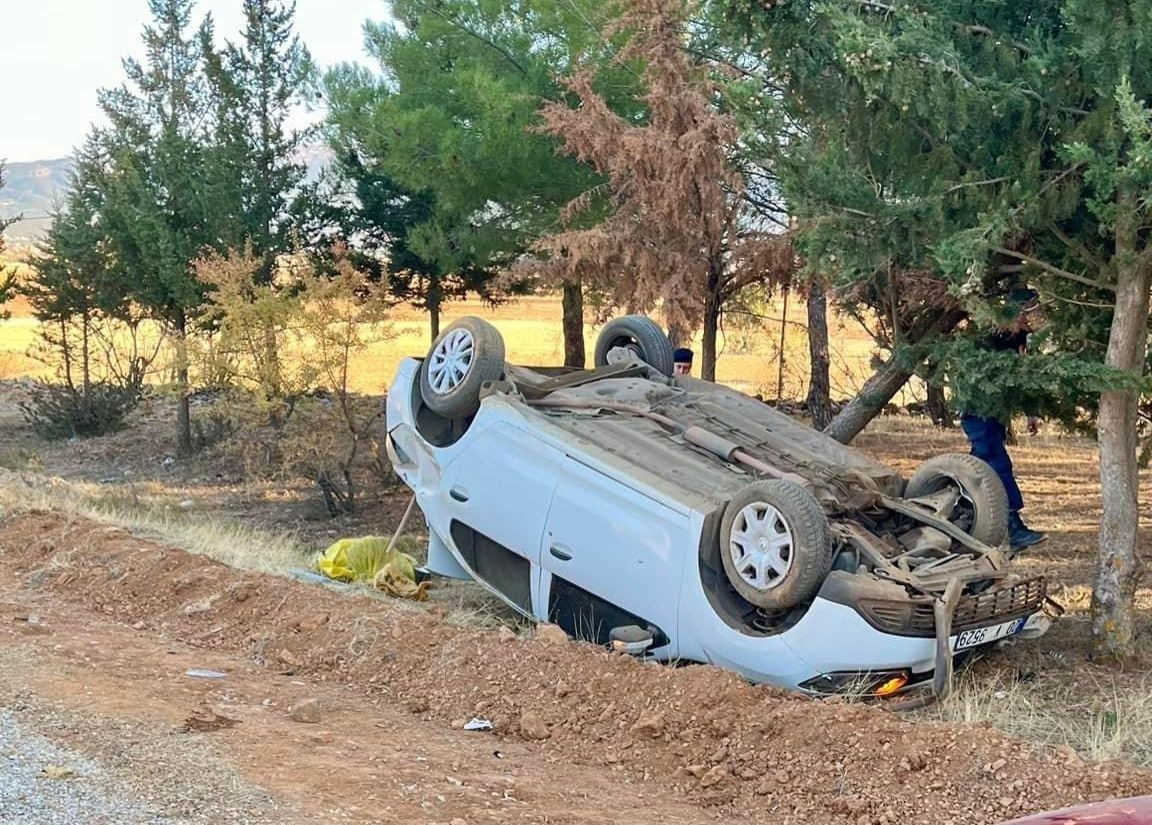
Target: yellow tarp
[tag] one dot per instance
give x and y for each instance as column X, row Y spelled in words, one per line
column 369, row 560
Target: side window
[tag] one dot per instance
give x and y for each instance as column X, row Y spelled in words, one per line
column 504, row 570
column 589, row 617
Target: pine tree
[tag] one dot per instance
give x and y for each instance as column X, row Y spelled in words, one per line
column 253, row 163
column 982, row 145
column 158, row 206
column 76, row 281
column 387, row 220
column 448, row 121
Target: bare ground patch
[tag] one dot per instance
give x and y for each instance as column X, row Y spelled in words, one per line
column 698, row 733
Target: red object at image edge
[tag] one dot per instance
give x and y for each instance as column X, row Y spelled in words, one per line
column 1134, row 811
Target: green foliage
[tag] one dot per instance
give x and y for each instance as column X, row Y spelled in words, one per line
column 86, row 320
column 253, row 160
column 156, row 212
column 197, row 156
column 58, row 411
column 944, row 138
column 75, row 272
column 1003, row 384
column 450, row 179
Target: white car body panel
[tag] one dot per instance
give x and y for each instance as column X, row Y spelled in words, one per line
column 536, row 489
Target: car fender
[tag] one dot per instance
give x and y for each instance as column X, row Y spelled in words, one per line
column 705, row 637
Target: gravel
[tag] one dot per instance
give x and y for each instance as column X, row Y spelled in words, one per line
column 118, row 771
column 87, row 794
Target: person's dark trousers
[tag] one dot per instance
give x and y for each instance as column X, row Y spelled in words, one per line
column 986, row 435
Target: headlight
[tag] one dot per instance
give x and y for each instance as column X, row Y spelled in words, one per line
column 396, row 453
column 879, row 683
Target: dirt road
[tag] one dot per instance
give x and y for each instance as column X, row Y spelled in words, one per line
column 139, row 740
column 99, row 630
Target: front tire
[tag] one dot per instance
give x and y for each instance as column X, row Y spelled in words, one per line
column 461, row 360
column 775, row 544
column 981, row 490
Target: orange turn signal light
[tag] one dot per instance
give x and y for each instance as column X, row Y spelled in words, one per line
column 891, row 686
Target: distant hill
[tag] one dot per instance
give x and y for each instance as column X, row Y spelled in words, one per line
column 33, row 190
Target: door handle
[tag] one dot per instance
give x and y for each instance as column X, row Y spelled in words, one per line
column 459, row 494
column 561, row 552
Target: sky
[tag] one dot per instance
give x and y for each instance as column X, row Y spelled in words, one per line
column 55, row 54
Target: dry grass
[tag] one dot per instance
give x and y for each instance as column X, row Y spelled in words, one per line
column 227, row 542
column 1101, row 719
column 230, row 542
column 532, row 334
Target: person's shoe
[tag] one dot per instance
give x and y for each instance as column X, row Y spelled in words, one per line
column 1021, row 536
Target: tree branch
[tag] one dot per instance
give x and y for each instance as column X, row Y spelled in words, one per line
column 759, row 317
column 1079, row 248
column 970, row 28
column 1052, row 270
column 466, row 30
column 989, row 182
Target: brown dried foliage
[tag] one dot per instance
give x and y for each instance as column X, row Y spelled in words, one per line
column 677, row 233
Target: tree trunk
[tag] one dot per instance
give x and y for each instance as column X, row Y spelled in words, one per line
column 184, row 410
column 86, row 352
column 273, row 386
column 937, row 405
column 783, row 350
column 66, row 351
column 708, row 342
column 819, row 385
column 573, row 322
column 1118, row 562
column 886, row 382
column 713, row 306
column 433, row 302
column 876, row 392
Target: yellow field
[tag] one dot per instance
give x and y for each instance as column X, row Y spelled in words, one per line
column 749, row 360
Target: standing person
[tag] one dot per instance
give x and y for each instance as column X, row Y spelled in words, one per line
column 987, row 436
column 682, row 361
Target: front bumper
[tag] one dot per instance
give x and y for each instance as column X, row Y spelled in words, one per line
column 889, row 608
column 977, row 612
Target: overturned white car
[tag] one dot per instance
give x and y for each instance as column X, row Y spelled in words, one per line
column 688, row 520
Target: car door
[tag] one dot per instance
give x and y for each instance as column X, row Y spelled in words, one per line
column 611, row 556
column 496, row 491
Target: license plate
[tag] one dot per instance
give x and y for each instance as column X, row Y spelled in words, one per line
column 984, row 635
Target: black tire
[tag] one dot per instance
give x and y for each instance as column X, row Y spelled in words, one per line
column 978, row 483
column 448, row 392
column 643, row 335
column 809, row 551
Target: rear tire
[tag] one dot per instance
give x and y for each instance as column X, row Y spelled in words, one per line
column 640, row 334
column 978, row 483
column 775, row 544
column 461, row 360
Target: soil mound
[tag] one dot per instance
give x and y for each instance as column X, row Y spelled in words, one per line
column 696, row 730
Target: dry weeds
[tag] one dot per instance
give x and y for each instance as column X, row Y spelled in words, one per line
column 278, row 553
column 749, row 358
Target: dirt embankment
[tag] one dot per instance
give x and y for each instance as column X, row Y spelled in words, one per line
column 699, row 732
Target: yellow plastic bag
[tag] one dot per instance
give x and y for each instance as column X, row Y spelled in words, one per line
column 369, row 560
